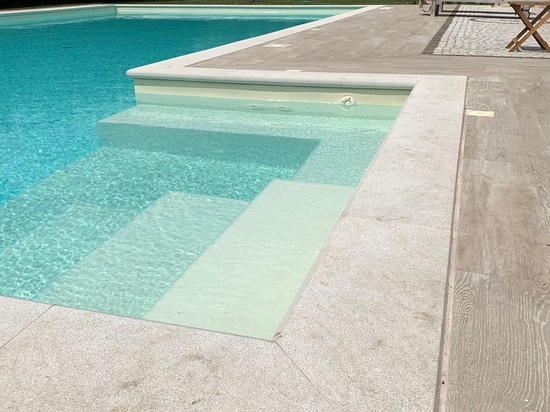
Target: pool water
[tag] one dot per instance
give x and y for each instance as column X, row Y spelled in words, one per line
column 59, row 80
column 204, row 217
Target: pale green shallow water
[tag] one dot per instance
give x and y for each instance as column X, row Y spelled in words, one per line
column 200, row 217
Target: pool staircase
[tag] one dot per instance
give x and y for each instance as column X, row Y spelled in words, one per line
column 245, row 281
column 132, row 269
column 160, row 220
column 316, row 143
column 30, row 264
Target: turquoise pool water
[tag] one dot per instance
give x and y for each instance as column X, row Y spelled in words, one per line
column 210, row 218
column 59, row 80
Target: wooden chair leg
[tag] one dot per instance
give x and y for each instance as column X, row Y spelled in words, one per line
column 530, row 29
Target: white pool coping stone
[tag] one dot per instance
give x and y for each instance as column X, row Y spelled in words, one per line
column 365, row 334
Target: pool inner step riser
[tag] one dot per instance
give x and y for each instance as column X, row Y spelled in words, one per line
column 276, row 151
column 56, row 246
column 343, row 150
column 130, row 271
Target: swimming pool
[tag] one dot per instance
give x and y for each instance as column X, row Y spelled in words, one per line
column 142, row 220
column 66, row 77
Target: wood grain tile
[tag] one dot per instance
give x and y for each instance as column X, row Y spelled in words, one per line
column 494, row 253
column 500, row 357
column 500, row 197
column 482, row 143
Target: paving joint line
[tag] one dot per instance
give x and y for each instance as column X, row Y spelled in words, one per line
column 442, row 383
column 26, row 327
column 327, row 400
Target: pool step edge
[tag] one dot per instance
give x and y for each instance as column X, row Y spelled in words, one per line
column 245, row 282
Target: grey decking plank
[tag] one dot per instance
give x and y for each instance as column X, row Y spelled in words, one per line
column 540, row 166
column 530, row 102
column 503, row 222
column 495, row 138
column 501, row 225
column 501, row 340
column 500, row 196
column 511, row 257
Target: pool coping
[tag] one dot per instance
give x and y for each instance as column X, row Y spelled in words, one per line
column 398, row 223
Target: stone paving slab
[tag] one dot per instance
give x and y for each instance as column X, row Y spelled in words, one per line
column 373, row 302
column 85, row 361
column 485, row 31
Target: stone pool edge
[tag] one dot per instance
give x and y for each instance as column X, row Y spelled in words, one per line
column 370, row 315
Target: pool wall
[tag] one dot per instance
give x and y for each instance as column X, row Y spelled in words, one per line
column 74, row 13
column 281, row 91
column 253, row 11
column 56, row 14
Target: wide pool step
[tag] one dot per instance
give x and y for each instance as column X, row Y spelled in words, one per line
column 274, row 151
column 325, row 149
column 129, row 272
column 245, row 282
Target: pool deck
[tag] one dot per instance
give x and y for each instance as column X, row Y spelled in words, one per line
column 373, row 345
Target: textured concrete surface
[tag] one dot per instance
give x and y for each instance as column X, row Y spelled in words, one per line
column 16, row 315
column 73, row 360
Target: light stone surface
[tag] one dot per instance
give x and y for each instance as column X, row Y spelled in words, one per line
column 374, row 299
column 84, row 361
column 413, row 176
column 408, row 192
column 16, row 315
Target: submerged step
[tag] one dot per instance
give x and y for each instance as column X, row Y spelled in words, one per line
column 245, row 282
column 340, row 162
column 130, row 179
column 328, row 149
column 278, row 151
column 129, row 272
column 31, row 264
